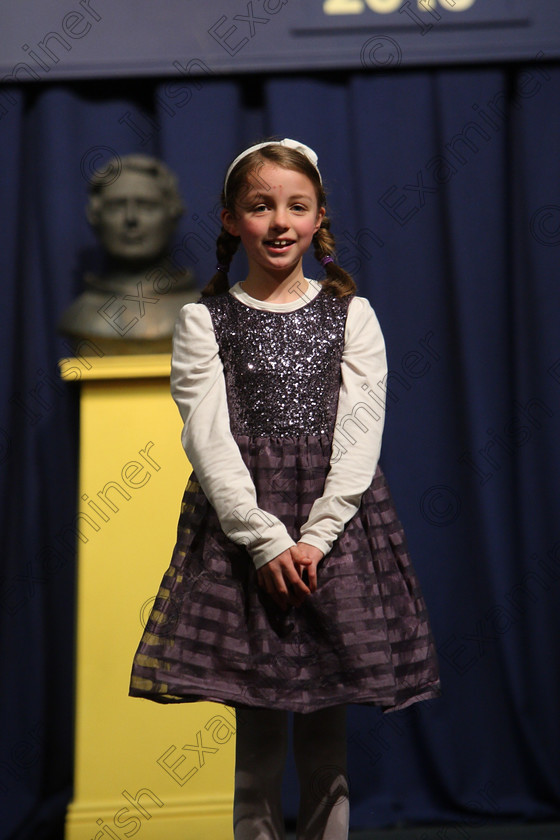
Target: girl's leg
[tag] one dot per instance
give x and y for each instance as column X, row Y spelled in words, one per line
column 320, row 754
column 260, row 756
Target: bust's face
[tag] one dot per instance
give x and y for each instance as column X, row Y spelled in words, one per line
column 134, row 222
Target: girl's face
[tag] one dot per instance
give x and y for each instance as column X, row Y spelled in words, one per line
column 276, row 219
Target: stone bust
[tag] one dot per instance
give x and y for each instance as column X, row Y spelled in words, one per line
column 133, row 207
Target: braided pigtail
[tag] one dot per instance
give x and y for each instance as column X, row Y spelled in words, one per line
column 338, row 282
column 226, row 246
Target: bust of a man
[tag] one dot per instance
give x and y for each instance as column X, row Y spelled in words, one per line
column 134, row 206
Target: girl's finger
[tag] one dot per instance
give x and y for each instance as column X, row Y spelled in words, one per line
column 298, row 588
column 271, row 588
column 312, row 577
column 299, row 557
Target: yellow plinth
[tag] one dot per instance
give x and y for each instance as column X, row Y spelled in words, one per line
column 163, row 772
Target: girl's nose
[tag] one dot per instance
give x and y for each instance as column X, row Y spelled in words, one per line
column 280, row 218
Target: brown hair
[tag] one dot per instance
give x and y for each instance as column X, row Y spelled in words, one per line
column 245, row 175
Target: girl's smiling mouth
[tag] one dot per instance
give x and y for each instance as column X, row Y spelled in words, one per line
column 278, row 244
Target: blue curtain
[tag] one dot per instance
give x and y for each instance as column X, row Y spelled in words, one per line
column 444, row 200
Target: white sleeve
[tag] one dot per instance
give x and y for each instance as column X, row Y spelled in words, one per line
column 198, row 388
column 358, row 429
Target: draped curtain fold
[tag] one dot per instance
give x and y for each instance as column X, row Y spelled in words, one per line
column 443, row 194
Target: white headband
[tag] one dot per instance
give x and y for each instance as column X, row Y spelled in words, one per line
column 290, row 144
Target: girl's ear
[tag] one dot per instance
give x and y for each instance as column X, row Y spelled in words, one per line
column 320, row 216
column 228, row 222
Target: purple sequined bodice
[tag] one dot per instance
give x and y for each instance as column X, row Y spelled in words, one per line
column 282, row 369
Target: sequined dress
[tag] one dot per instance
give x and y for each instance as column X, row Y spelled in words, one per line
column 214, row 634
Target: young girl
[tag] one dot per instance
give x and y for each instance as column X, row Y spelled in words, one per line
column 290, row 587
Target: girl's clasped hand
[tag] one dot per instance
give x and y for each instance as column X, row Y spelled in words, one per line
column 283, row 577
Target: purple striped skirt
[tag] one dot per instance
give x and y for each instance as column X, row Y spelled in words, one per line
column 362, row 637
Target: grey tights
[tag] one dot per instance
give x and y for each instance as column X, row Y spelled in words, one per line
column 320, row 756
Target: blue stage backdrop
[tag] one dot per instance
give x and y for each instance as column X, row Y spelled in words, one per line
column 92, row 38
column 444, row 196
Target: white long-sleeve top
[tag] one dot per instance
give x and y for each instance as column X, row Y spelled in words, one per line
column 198, row 388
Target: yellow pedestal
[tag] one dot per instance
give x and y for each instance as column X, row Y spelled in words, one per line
column 164, row 772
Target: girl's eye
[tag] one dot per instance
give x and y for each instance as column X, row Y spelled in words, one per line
column 299, row 208
column 259, row 208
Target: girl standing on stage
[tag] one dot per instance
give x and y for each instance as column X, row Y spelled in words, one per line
column 290, row 587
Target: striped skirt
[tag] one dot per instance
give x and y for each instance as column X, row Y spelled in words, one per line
column 362, row 637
